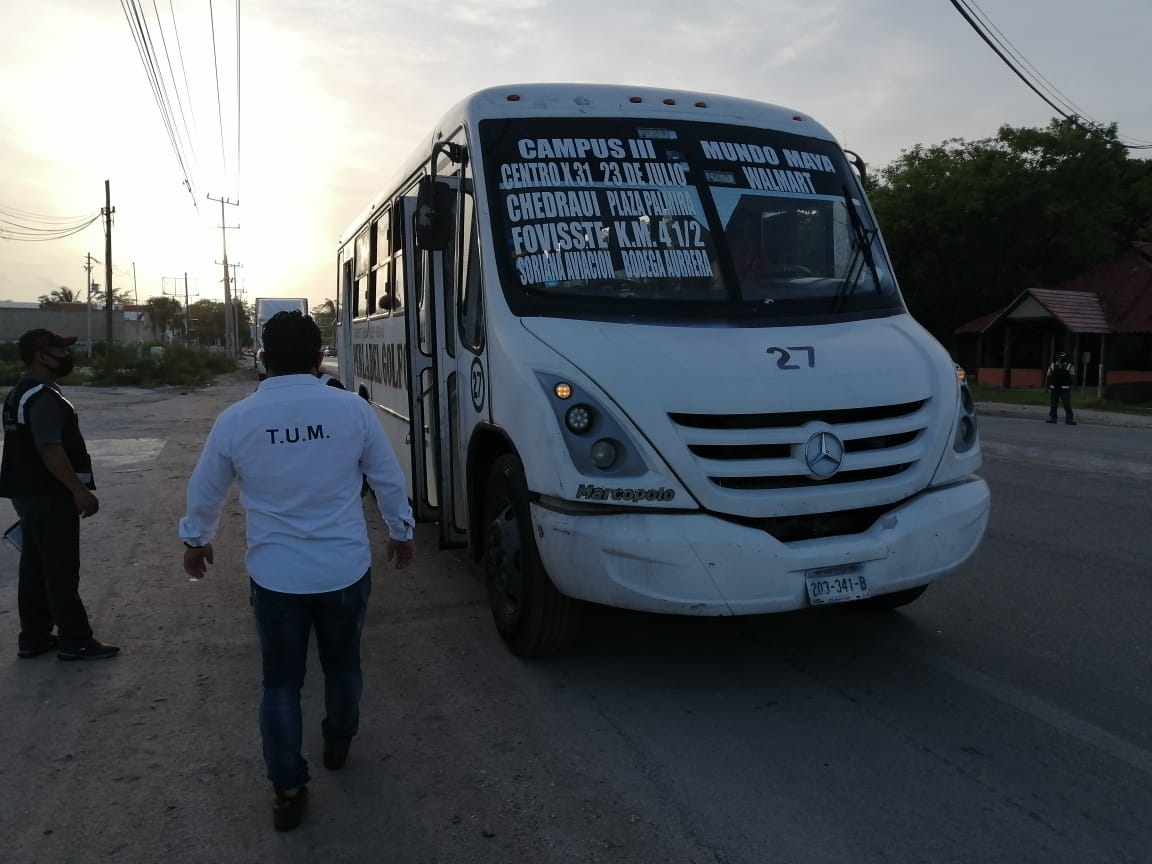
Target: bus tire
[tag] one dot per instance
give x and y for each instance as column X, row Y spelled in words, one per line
column 884, row 602
column 531, row 615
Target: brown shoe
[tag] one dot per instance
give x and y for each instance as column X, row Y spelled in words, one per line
column 335, row 755
column 288, row 808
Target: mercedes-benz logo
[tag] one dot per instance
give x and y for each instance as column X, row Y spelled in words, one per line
column 823, row 454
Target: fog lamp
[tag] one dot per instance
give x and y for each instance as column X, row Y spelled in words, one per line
column 604, row 454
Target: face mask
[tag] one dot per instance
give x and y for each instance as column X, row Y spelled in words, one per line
column 64, row 366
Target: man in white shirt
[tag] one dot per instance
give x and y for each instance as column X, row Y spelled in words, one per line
column 300, row 451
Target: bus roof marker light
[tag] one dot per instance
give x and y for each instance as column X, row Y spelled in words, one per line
column 562, row 390
column 669, row 101
column 799, row 118
column 635, row 100
column 513, row 97
column 701, row 104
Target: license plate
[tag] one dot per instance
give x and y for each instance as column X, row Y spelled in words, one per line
column 836, row 584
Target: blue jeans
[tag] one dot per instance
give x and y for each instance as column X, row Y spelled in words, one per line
column 284, row 623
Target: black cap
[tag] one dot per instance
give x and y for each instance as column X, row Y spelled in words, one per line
column 41, row 338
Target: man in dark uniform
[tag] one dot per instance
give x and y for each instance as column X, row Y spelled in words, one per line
column 1060, row 377
column 47, row 473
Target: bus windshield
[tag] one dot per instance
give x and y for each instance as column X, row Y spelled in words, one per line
column 595, row 215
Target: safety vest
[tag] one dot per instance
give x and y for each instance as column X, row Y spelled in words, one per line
column 23, row 473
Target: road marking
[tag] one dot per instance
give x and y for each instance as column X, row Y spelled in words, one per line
column 1082, row 462
column 1088, row 733
column 124, row 452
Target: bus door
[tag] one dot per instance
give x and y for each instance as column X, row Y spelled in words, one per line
column 437, row 477
column 425, row 492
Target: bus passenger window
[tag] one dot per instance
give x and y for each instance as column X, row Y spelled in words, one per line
column 362, row 293
column 389, row 303
column 346, row 283
column 380, row 264
column 366, row 286
column 396, row 297
column 471, row 299
column 363, row 271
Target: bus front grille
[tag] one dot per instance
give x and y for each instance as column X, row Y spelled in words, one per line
column 766, row 452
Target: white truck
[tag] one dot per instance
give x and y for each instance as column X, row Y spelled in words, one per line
column 264, row 309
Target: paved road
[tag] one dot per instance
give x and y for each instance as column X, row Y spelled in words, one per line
column 1086, row 416
column 1004, row 717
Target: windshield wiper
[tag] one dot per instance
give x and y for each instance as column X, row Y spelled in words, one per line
column 861, row 254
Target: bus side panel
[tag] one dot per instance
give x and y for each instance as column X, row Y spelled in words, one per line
column 379, row 355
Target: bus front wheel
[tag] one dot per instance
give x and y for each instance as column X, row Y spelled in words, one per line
column 531, row 615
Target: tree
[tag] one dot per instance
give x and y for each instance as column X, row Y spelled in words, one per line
column 972, row 224
column 63, row 294
column 206, row 322
column 244, row 318
column 166, row 315
column 120, row 296
column 325, row 316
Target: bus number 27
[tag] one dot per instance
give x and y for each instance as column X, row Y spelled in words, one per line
column 786, row 355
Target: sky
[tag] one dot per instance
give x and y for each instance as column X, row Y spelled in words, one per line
column 329, row 96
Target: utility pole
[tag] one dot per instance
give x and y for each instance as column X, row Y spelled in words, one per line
column 136, row 312
column 237, row 301
column 107, row 213
column 174, row 293
column 88, row 266
column 232, row 297
column 229, row 327
column 187, row 314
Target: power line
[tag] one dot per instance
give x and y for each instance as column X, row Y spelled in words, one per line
column 183, row 70
column 144, row 47
column 172, row 75
column 175, row 102
column 137, row 24
column 219, row 106
column 1068, row 111
column 50, row 221
column 1003, row 40
column 237, row 98
column 39, row 234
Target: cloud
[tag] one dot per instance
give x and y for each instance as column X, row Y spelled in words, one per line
column 335, row 96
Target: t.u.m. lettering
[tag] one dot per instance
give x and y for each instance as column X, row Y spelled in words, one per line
column 295, row 434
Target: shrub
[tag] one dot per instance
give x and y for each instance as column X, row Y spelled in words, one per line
column 1133, row 393
column 176, row 366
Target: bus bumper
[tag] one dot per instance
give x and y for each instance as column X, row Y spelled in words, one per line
column 698, row 564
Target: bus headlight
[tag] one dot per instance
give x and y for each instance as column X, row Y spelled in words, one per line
column 966, row 431
column 578, row 419
column 594, row 436
column 604, row 453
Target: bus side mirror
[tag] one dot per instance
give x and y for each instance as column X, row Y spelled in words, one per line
column 857, row 164
column 433, row 215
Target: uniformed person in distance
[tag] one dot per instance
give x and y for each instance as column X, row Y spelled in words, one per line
column 1061, row 375
column 300, row 451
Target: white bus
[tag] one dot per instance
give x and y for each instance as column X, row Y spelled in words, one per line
column 645, row 348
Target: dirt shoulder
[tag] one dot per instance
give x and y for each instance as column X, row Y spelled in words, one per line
column 155, row 755
column 464, row 755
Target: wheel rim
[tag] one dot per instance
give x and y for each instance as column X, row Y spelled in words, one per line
column 506, row 561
